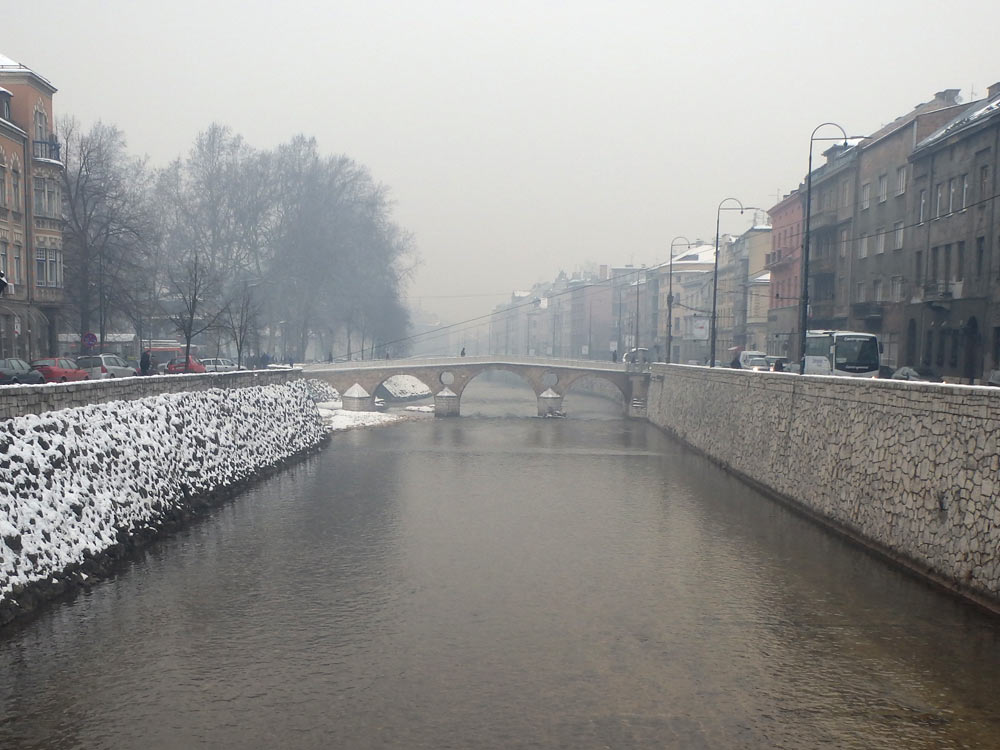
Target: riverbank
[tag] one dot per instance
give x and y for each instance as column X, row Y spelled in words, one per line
column 83, row 488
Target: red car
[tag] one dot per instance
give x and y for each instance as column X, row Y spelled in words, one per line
column 177, row 365
column 59, row 370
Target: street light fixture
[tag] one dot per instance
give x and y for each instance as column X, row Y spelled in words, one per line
column 670, row 297
column 715, row 274
column 804, row 296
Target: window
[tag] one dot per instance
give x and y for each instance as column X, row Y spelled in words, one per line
column 15, row 178
column 923, row 206
column 883, row 188
column 863, row 246
column 934, row 264
column 41, row 125
column 939, row 201
column 859, row 292
column 55, row 275
column 980, row 251
column 3, row 258
column 843, row 243
column 3, row 185
column 880, row 240
column 845, row 194
column 16, row 277
column 877, row 290
column 947, row 262
column 918, row 267
column 960, row 261
column 897, row 236
column 896, row 288
column 39, row 206
column 984, row 182
column 900, row 180
column 866, row 192
column 928, row 347
column 965, row 191
column 53, row 198
column 41, row 264
column 951, row 195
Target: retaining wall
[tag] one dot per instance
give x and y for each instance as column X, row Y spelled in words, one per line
column 18, row 400
column 910, row 469
column 80, row 487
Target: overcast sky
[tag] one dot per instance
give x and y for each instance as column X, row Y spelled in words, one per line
column 518, row 138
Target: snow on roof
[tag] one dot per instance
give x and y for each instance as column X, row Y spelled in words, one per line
column 356, row 391
column 5, row 91
column 762, row 278
column 549, row 393
column 976, row 112
column 13, row 66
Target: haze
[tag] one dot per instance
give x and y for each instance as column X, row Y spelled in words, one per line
column 520, row 138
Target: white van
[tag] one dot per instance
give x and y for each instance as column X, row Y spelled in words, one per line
column 745, row 357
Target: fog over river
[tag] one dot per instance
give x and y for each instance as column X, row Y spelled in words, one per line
column 502, row 581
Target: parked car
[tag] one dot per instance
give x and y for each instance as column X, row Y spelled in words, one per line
column 219, row 364
column 13, row 370
column 920, row 372
column 179, row 365
column 758, row 363
column 101, row 366
column 59, row 369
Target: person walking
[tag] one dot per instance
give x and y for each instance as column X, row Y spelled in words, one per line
column 462, row 354
column 144, row 363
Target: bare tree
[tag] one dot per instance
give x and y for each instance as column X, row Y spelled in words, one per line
column 108, row 222
column 195, row 289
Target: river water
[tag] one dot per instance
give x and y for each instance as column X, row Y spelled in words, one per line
column 500, row 581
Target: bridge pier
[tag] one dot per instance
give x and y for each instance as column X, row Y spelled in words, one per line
column 357, row 398
column 447, row 403
column 550, row 404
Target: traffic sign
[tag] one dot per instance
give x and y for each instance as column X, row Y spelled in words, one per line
column 90, row 340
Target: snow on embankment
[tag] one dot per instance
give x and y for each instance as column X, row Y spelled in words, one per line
column 78, row 486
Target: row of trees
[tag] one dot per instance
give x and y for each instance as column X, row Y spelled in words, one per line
column 269, row 250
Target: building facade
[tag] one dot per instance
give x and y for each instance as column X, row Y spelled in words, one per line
column 31, row 242
column 784, row 263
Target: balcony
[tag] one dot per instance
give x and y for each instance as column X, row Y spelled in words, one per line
column 46, row 150
column 938, row 294
column 869, row 311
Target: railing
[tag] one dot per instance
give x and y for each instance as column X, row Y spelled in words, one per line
column 937, row 290
column 46, row 150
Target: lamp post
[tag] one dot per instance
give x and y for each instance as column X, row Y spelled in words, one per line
column 670, row 297
column 715, row 273
column 804, row 296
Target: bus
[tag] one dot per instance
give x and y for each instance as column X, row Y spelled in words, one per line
column 847, row 353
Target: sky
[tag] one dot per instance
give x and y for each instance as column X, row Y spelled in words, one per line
column 520, row 138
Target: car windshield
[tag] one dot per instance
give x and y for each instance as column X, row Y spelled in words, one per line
column 758, row 363
column 44, row 363
column 85, row 362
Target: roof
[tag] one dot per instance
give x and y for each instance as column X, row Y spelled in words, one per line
column 976, row 113
column 12, row 66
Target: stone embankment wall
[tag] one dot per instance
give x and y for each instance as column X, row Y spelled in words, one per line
column 911, row 470
column 17, row 400
column 80, row 487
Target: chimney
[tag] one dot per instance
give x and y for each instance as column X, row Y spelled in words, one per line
column 993, row 90
column 948, row 96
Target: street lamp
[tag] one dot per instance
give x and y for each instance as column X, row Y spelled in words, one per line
column 670, row 297
column 804, row 296
column 715, row 274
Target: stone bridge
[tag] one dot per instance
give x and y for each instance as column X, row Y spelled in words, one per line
column 447, row 377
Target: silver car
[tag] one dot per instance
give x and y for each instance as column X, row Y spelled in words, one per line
column 219, row 364
column 99, row 366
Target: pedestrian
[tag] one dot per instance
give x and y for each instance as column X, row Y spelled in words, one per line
column 735, row 364
column 144, row 363
column 3, row 283
column 614, row 356
column 463, row 352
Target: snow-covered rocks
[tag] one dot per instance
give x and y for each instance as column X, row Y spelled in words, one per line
column 77, row 482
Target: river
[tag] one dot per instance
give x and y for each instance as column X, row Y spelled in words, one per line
column 503, row 581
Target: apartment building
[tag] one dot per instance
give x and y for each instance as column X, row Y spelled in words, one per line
column 31, row 254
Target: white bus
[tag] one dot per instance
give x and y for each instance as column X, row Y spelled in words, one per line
column 847, row 353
